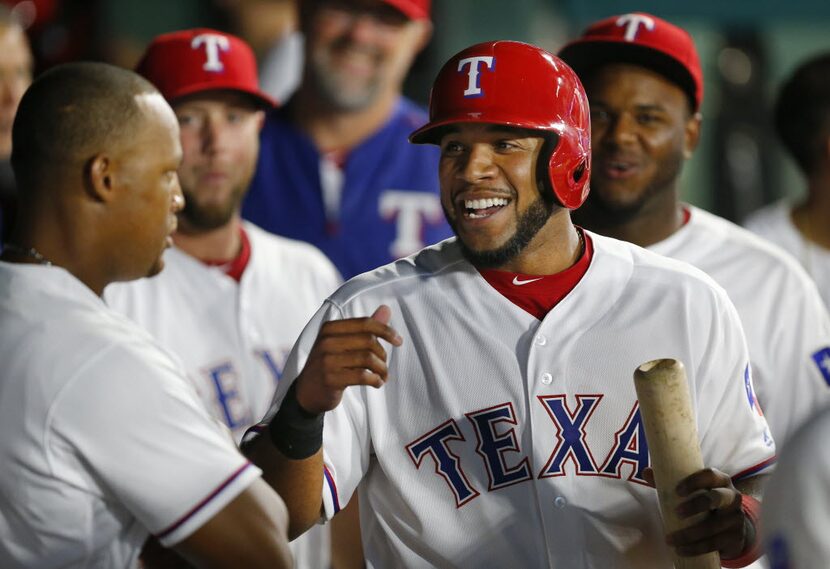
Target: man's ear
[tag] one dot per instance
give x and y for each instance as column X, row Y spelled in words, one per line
column 100, row 178
column 692, row 134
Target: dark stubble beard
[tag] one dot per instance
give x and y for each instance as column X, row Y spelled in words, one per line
column 198, row 219
column 601, row 211
column 329, row 86
column 527, row 226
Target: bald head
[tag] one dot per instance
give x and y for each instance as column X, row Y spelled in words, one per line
column 69, row 115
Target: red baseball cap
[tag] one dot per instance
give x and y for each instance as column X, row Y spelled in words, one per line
column 190, row 61
column 641, row 39
column 412, row 9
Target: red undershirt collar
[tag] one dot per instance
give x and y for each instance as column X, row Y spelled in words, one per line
column 538, row 294
column 236, row 266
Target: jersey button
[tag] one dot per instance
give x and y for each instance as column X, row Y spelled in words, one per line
column 541, row 340
column 547, row 378
column 560, row 502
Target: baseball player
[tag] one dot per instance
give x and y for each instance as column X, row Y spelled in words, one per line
column 645, row 86
column 796, row 510
column 335, row 168
column 505, row 431
column 233, row 298
column 802, row 120
column 104, row 440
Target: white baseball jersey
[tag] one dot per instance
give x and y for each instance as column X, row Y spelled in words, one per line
column 103, row 439
column 234, row 336
column 796, row 508
column 786, row 324
column 774, row 222
column 505, row 441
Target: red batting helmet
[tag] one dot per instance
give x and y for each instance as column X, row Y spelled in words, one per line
column 518, row 85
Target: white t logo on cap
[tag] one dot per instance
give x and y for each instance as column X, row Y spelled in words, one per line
column 213, row 43
column 633, row 23
column 473, row 90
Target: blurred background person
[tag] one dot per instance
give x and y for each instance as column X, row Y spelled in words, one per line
column 644, row 83
column 16, row 66
column 796, row 510
column 270, row 27
column 233, row 298
column 802, row 121
column 335, row 168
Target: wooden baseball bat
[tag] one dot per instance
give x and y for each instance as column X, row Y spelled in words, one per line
column 671, row 433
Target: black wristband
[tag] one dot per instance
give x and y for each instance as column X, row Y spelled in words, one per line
column 295, row 432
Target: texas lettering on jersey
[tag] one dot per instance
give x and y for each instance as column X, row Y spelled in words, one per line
column 495, row 429
column 226, row 383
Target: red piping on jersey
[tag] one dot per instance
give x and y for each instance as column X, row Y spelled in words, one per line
column 235, row 267
column 332, row 488
column 754, row 469
column 203, row 503
column 687, row 215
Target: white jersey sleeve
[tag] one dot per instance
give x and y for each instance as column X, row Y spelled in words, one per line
column 796, row 508
column 149, row 441
column 727, row 402
column 781, row 311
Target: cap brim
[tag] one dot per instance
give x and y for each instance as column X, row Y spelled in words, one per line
column 261, row 99
column 584, row 56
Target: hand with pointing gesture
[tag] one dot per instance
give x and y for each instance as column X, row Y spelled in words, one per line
column 346, row 352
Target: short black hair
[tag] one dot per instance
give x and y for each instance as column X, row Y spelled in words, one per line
column 71, row 113
column 802, row 111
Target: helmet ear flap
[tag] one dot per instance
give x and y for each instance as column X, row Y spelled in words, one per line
column 569, row 167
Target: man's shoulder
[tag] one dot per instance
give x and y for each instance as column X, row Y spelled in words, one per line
column 650, row 271
column 428, row 267
column 93, row 342
column 737, row 251
column 286, row 254
column 776, row 213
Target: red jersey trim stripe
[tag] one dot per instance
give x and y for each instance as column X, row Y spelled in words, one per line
column 755, row 469
column 332, row 488
column 203, row 503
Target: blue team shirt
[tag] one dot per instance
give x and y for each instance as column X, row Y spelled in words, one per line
column 389, row 207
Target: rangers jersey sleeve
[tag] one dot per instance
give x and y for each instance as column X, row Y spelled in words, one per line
column 174, row 472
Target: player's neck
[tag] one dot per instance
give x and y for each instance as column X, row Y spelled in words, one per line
column 332, row 129
column 656, row 221
column 810, row 217
column 220, row 244
column 62, row 239
column 556, row 247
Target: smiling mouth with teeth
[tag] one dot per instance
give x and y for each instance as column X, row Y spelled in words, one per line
column 476, row 209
